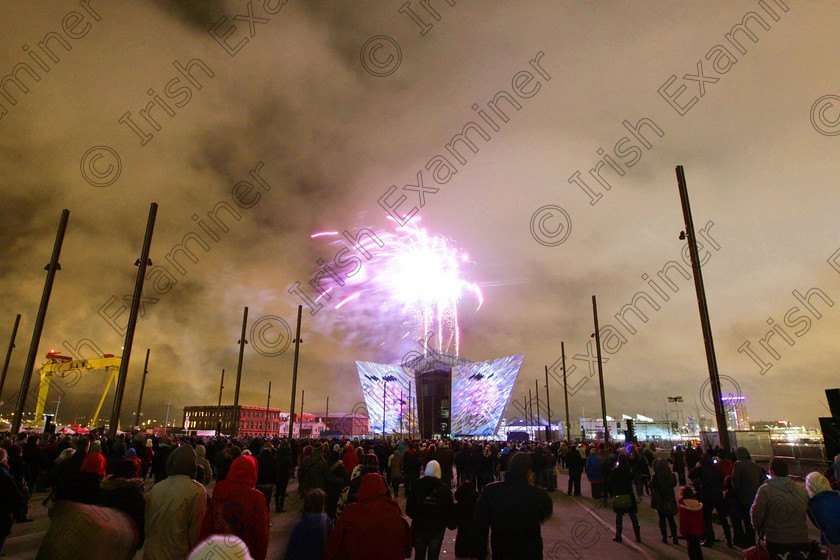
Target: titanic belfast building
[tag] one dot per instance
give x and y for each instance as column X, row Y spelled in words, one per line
column 438, row 395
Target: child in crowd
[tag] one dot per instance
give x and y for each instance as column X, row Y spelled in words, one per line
column 692, row 527
column 309, row 537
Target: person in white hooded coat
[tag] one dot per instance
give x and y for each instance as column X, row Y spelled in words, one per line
column 429, row 505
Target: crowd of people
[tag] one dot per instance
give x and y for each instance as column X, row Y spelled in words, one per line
column 185, row 497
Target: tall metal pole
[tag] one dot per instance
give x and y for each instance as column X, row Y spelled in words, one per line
column 711, row 360
column 294, row 374
column 537, row 393
column 384, row 405
column 410, row 424
column 302, row 395
column 219, row 421
column 547, row 406
column 39, row 321
column 267, row 405
column 242, row 343
column 142, row 386
column 327, row 414
column 132, row 322
column 530, row 413
column 166, row 422
column 600, row 371
column 568, row 431
column 9, row 354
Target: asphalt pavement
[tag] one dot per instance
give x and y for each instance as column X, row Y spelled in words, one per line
column 580, row 528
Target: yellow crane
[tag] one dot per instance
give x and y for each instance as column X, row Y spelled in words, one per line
column 61, row 366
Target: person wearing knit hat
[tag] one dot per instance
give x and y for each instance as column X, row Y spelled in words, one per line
column 221, row 546
column 824, row 512
column 429, row 505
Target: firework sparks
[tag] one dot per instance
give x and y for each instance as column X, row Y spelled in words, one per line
column 419, row 277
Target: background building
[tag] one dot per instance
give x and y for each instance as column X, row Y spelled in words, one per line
column 259, row 421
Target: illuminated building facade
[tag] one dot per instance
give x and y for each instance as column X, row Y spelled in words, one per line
column 438, row 394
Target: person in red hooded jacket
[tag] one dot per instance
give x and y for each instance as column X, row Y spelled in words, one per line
column 238, row 508
column 373, row 528
column 350, row 459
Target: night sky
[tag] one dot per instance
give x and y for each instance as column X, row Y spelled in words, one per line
column 539, row 138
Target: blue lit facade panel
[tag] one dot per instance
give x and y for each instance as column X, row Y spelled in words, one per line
column 480, row 394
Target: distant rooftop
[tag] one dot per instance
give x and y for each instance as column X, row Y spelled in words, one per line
column 433, row 360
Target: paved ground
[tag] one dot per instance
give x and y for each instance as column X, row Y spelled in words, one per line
column 580, row 528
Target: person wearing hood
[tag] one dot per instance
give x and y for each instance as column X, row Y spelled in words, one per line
column 824, row 512
column 201, row 459
column 147, row 458
column 349, row 459
column 238, row 508
column 313, row 470
column 91, row 473
column 396, row 471
column 662, row 499
column 779, row 513
column 429, row 505
column 411, row 466
column 746, row 478
column 372, row 528
column 175, row 509
column 337, row 482
column 692, row 525
column 512, row 512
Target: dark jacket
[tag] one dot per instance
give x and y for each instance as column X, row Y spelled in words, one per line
column 824, row 512
column 467, row 498
column 512, row 511
column 128, row 496
column 621, row 482
column 574, row 462
column 746, row 477
column 429, row 504
column 267, row 468
column 710, row 480
column 314, row 471
column 662, row 486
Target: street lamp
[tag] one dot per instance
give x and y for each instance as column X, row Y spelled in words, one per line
column 674, row 400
